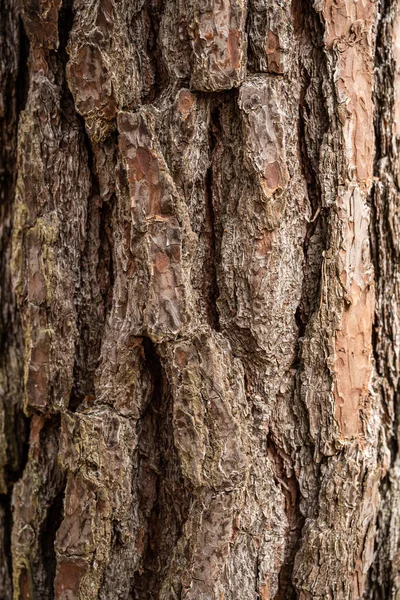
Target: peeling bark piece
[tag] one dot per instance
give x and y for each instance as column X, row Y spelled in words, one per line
column 270, row 36
column 33, row 515
column 347, row 286
column 69, row 577
column 89, row 81
column 260, row 238
column 38, row 369
column 48, row 237
column 97, row 448
column 348, row 29
column 188, row 156
column 336, row 381
column 344, row 334
column 41, row 22
column 264, row 138
column 343, row 530
column 219, row 44
column 123, row 380
column 84, row 535
column 154, row 208
column 103, row 69
column 353, row 364
column 174, row 39
column 208, row 401
column 99, row 451
column 211, row 530
column 150, row 186
column 211, row 439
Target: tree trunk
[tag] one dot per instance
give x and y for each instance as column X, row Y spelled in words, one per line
column 200, row 302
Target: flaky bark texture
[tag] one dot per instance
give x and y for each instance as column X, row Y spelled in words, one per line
column 200, row 301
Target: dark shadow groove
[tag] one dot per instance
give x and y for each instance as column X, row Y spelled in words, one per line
column 51, row 497
column 291, row 492
column 48, row 536
column 163, row 494
column 65, row 22
column 5, row 551
column 385, row 254
column 213, row 313
column 22, row 82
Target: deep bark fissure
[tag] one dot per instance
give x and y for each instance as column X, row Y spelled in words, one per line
column 384, row 104
column 381, row 580
column 309, row 32
column 105, row 269
column 52, row 500
column 65, row 22
column 89, row 343
column 34, row 568
column 14, row 471
column 291, row 491
column 14, row 52
column 5, row 551
column 22, row 82
column 58, row 59
column 160, row 485
column 152, row 14
column 309, row 163
column 211, row 222
column 10, row 324
column 47, row 538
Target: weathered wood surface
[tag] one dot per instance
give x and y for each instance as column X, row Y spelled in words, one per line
column 200, row 333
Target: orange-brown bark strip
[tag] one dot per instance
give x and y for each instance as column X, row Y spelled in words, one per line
column 348, row 40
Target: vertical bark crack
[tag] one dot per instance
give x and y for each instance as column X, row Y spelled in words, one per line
column 51, row 507
column 5, row 541
column 47, row 538
column 214, row 235
column 14, row 82
column 65, row 21
column 313, row 124
column 157, row 77
column 22, row 82
column 163, row 493
column 383, row 578
column 94, row 294
column 291, row 491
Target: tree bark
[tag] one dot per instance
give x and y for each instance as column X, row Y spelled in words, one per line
column 200, row 332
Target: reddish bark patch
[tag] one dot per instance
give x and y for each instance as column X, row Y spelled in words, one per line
column 218, row 45
column 265, row 591
column 90, row 83
column 348, row 28
column 185, row 102
column 68, row 578
column 41, row 22
column 234, row 48
column 353, row 362
column 37, row 423
column 38, row 377
column 273, row 52
column 24, row 586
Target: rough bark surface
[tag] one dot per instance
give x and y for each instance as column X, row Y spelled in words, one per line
column 199, row 259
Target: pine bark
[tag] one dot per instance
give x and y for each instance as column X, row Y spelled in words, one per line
column 200, row 333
